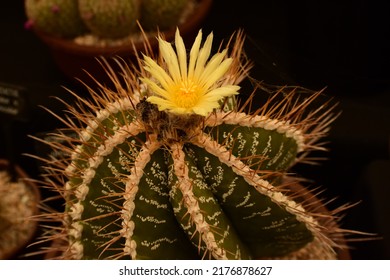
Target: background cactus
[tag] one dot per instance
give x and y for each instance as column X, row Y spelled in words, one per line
column 109, row 18
column 55, row 17
column 157, row 174
column 161, row 14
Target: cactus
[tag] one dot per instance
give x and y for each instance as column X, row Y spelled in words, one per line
column 55, row 17
column 105, row 19
column 167, row 165
column 162, row 14
column 109, row 18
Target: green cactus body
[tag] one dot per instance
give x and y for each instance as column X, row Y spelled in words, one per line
column 162, row 14
column 146, row 183
column 186, row 200
column 55, row 17
column 109, row 18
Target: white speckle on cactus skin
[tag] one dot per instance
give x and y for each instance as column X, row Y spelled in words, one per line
column 113, row 169
column 101, row 208
column 276, row 224
column 217, row 179
column 157, row 243
column 268, row 148
column 241, row 145
column 266, row 212
column 229, row 140
column 214, row 218
column 106, row 187
column 228, row 193
column 255, row 143
column 154, row 203
column 277, row 156
column 151, row 219
column 246, row 199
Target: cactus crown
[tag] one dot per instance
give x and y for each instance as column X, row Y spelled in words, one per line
column 167, row 165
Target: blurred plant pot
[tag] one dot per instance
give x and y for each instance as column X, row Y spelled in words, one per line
column 75, row 59
column 19, row 201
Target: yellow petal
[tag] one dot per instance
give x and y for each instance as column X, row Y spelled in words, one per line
column 162, row 104
column 170, row 58
column 181, row 54
column 221, row 92
column 194, row 53
column 218, row 72
column 213, row 72
column 205, row 108
column 204, row 54
column 157, row 72
column 155, row 88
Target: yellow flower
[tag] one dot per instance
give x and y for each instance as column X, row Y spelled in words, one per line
column 196, row 88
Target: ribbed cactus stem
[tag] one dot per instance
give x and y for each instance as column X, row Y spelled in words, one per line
column 131, row 190
column 154, row 177
column 190, row 202
column 182, row 179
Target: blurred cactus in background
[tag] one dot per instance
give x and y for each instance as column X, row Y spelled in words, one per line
column 162, row 14
column 103, row 18
column 55, row 17
column 109, row 18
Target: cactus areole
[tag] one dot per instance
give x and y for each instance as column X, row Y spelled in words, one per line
column 167, row 166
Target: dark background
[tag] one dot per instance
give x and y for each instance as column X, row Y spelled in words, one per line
column 343, row 46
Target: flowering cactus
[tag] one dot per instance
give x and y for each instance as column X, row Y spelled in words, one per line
column 166, row 165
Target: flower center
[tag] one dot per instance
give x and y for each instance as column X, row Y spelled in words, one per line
column 187, row 94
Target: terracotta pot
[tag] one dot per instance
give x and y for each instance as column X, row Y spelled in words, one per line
column 15, row 236
column 74, row 59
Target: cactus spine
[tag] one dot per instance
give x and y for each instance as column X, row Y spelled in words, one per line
column 168, row 167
